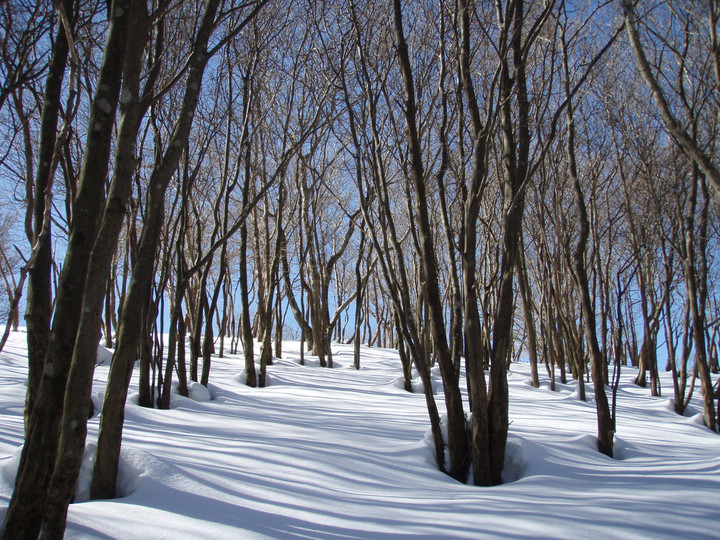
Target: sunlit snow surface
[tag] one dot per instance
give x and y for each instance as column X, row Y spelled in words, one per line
column 339, row 453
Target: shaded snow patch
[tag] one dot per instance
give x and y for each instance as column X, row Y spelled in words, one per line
column 9, row 467
column 515, row 460
column 130, row 470
column 104, row 356
column 242, row 379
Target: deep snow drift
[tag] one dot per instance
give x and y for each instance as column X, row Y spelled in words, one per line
column 324, row 453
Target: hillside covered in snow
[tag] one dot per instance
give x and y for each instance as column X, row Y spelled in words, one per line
column 339, row 453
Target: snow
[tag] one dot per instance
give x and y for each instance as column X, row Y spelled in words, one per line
column 104, row 356
column 340, row 453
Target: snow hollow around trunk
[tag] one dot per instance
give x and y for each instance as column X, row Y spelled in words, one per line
column 133, row 465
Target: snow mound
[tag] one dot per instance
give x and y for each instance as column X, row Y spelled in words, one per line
column 130, row 469
column 242, row 379
column 198, row 392
column 668, row 405
column 312, row 361
column 428, row 440
column 97, row 399
column 515, row 460
column 399, row 382
column 623, row 449
column 104, row 356
column 588, row 441
column 417, row 385
column 574, row 395
column 134, row 464
column 84, row 481
column 9, row 467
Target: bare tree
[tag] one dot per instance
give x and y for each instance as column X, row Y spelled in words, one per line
column 41, row 495
column 106, row 463
column 691, row 37
column 605, row 425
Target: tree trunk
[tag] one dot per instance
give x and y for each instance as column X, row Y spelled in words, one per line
column 457, row 438
column 39, row 292
column 279, row 319
column 696, row 299
column 528, row 309
column 74, row 423
column 208, row 341
column 245, row 324
column 358, row 306
column 247, row 337
column 605, row 426
column 108, row 451
column 30, row 499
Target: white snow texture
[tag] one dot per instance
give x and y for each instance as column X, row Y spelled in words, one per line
column 339, row 453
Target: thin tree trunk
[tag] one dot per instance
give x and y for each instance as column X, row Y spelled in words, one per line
column 457, row 438
column 524, row 286
column 39, row 292
column 108, row 451
column 358, row 304
column 604, row 419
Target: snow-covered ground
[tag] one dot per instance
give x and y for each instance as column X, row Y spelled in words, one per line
column 340, row 453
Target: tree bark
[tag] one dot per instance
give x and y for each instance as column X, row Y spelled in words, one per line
column 74, row 422
column 605, row 427
column 457, row 438
column 528, row 309
column 113, row 414
column 39, row 292
column 30, row 499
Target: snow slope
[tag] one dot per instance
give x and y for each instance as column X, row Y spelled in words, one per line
column 337, row 453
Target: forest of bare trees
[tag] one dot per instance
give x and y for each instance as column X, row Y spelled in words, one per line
column 470, row 183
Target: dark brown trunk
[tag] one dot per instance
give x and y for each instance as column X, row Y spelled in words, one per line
column 457, row 438
column 279, row 319
column 30, row 498
column 113, row 414
column 208, row 342
column 604, row 419
column 515, row 165
column 524, row 286
column 39, row 292
column 246, row 327
column 358, row 307
column 696, row 300
column 474, row 353
column 79, row 385
column 144, row 351
column 297, row 310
